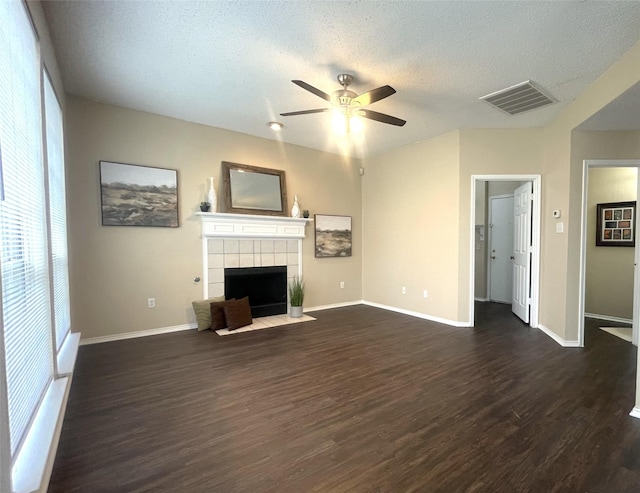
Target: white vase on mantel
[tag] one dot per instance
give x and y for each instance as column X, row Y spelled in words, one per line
column 295, row 210
column 211, row 196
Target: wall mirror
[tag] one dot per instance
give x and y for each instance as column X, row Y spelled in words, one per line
column 254, row 190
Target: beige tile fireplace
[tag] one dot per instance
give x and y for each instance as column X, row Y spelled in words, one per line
column 241, row 240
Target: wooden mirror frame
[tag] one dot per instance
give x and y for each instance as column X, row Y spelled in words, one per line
column 228, row 198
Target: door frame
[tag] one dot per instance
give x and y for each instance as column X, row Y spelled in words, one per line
column 606, row 163
column 536, row 180
column 489, row 237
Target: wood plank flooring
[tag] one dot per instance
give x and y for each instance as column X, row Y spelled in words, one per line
column 360, row 400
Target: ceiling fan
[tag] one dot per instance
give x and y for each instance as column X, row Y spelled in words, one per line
column 349, row 103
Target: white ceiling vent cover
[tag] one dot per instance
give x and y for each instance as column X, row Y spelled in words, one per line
column 519, row 98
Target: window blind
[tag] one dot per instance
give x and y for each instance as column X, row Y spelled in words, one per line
column 57, row 213
column 23, row 260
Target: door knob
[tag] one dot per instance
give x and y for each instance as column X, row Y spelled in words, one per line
column 493, row 257
column 512, row 257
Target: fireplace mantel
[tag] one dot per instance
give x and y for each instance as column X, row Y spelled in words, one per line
column 247, row 240
column 224, row 225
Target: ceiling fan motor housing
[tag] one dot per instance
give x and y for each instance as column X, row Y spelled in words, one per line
column 345, row 79
column 343, row 97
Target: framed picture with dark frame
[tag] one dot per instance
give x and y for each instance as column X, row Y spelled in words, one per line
column 615, row 224
column 133, row 195
column 333, row 235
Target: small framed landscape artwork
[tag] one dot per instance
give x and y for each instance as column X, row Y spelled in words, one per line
column 135, row 195
column 615, row 224
column 333, row 236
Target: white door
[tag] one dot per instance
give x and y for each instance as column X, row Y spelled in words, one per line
column 522, row 251
column 500, row 248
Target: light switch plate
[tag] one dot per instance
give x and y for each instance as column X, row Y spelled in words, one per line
column 559, row 227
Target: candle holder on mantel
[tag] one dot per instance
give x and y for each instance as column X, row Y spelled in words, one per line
column 205, row 206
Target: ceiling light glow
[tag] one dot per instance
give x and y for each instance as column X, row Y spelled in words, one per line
column 277, row 126
column 344, row 123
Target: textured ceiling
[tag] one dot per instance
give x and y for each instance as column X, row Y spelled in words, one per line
column 230, row 64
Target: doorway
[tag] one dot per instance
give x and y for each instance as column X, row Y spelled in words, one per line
column 478, row 242
column 634, row 259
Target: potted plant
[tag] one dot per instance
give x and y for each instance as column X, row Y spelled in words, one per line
column 296, row 296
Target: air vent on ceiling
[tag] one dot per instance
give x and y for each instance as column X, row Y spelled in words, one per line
column 519, row 98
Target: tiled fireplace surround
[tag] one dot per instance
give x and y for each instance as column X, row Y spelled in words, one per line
column 232, row 252
column 240, row 240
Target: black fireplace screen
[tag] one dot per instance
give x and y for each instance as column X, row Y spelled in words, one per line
column 266, row 288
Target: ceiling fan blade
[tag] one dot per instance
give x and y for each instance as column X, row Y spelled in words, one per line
column 312, row 89
column 381, row 117
column 373, row 96
column 304, row 112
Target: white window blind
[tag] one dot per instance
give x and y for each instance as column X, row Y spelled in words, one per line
column 57, row 213
column 23, row 260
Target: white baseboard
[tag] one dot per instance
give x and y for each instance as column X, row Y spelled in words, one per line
column 483, row 300
column 424, row 316
column 178, row 328
column 608, row 318
column 141, row 333
column 332, row 305
column 635, row 412
column 557, row 338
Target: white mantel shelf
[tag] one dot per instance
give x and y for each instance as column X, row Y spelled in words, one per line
column 218, row 224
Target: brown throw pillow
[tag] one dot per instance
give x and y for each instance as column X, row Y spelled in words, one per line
column 203, row 312
column 218, row 320
column 238, row 313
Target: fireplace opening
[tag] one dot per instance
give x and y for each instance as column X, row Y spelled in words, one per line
column 266, row 288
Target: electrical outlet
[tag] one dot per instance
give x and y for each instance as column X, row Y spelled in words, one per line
column 341, row 284
column 151, row 303
column 425, row 293
column 404, row 290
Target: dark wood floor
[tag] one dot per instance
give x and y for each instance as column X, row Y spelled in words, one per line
column 361, row 400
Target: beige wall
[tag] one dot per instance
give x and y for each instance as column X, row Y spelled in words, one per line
column 608, row 296
column 113, row 270
column 430, row 182
column 411, row 222
column 503, row 187
column 489, row 152
column 609, row 270
column 562, row 189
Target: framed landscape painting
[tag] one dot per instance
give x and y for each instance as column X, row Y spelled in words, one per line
column 135, row 195
column 333, row 236
column 615, row 224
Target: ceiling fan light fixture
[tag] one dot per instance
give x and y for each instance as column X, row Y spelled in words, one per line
column 356, row 125
column 339, row 122
column 275, row 126
column 345, row 123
